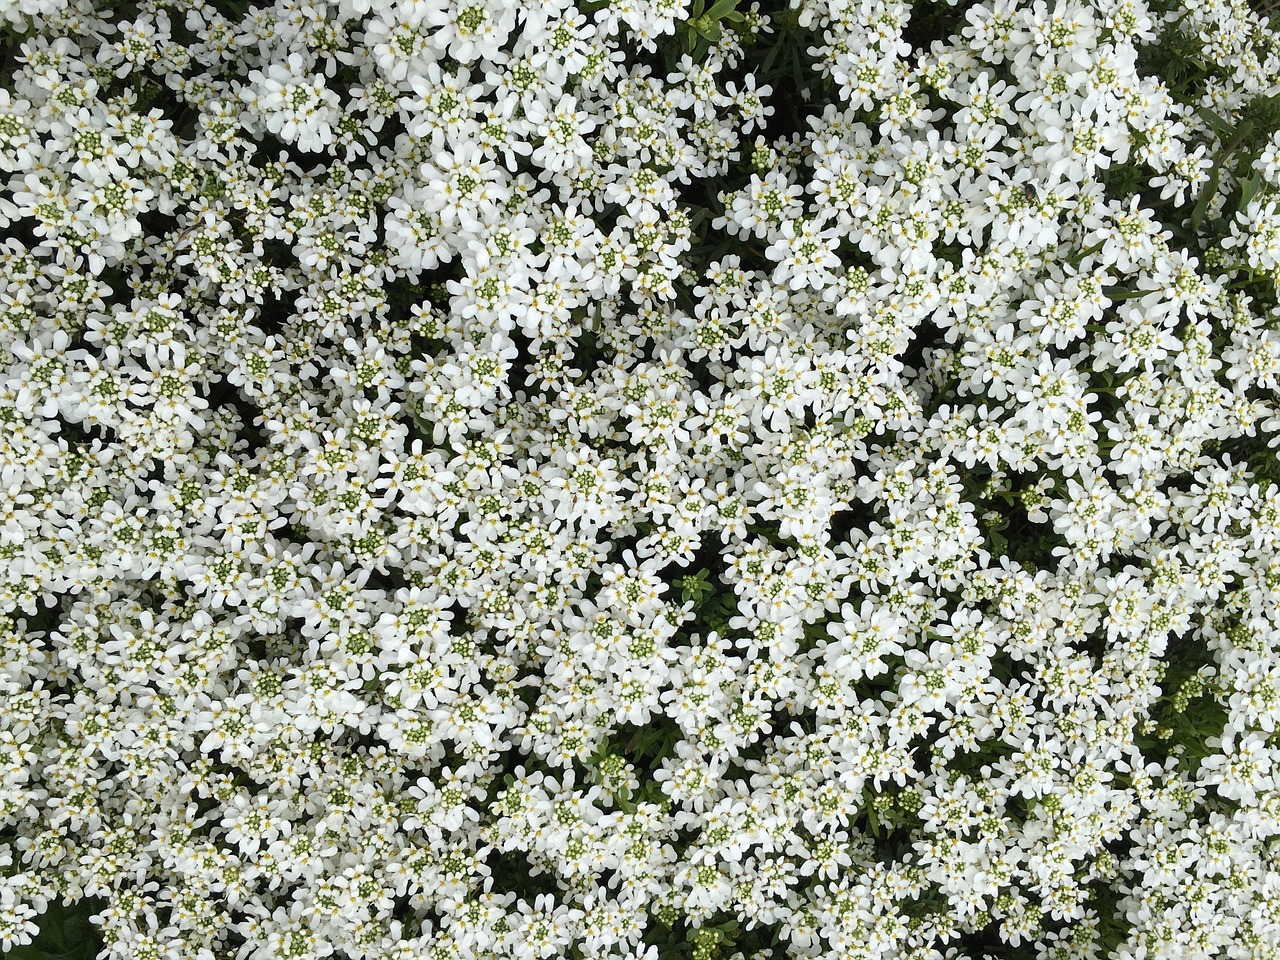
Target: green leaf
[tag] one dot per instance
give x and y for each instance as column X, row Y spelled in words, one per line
column 1202, row 204
column 1248, row 190
column 232, row 9
column 65, row 933
column 873, row 821
column 720, row 8
column 1216, row 121
column 769, row 58
column 695, row 586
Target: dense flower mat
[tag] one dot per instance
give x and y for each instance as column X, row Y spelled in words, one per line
column 636, row 479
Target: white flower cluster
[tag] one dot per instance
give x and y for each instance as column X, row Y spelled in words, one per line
column 375, row 375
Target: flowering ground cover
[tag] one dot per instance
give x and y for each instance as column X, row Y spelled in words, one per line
column 643, row 479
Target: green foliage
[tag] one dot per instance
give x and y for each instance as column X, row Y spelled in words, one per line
column 713, row 603
column 1241, row 143
column 1261, row 459
column 1189, row 712
column 65, row 933
column 890, row 812
column 714, row 938
column 703, row 28
column 232, row 9
column 695, row 586
column 1178, row 61
column 652, row 742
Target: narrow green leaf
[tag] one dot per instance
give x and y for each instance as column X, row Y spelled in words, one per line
column 1216, row 120
column 1249, row 189
column 1202, row 204
column 769, row 58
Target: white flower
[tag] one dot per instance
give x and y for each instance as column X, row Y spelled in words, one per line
column 297, row 108
column 473, row 32
column 805, row 254
column 396, row 397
